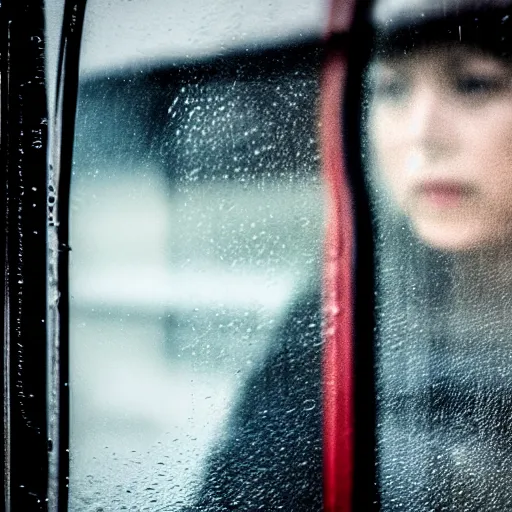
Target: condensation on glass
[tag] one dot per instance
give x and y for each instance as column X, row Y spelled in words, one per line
column 438, row 147
column 196, row 218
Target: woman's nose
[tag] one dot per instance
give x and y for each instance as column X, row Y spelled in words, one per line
column 428, row 125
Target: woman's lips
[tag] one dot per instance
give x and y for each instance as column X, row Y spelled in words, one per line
column 444, row 194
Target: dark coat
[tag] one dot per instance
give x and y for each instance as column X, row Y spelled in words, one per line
column 444, row 403
column 271, row 457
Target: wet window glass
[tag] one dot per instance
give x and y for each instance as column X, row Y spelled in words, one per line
column 196, row 222
column 438, row 125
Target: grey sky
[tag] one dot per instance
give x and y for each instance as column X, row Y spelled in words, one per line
column 118, row 32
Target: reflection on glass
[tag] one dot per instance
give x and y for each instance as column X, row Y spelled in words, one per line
column 439, row 139
column 196, row 218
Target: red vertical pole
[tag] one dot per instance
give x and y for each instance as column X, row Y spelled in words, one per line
column 338, row 364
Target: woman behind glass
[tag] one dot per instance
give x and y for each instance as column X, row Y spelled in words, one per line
column 439, row 133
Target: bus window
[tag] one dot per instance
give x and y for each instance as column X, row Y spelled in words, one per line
column 196, row 219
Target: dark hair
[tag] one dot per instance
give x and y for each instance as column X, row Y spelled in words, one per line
column 489, row 30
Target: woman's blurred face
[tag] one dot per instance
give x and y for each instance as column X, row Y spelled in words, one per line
column 441, row 129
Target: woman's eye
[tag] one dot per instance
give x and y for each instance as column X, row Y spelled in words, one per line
column 391, row 89
column 478, row 85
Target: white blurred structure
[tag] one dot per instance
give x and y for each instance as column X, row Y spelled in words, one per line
column 127, row 32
